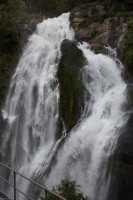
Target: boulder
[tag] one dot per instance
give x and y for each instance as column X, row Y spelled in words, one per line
column 70, row 81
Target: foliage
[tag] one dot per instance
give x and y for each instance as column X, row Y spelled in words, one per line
column 13, row 14
column 7, row 63
column 67, row 189
column 56, row 7
column 129, row 50
column 129, row 57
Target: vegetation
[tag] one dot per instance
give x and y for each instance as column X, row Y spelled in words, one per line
column 50, row 7
column 67, row 189
column 129, row 50
column 56, row 7
column 13, row 13
column 95, row 18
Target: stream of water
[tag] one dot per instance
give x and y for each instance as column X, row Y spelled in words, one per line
column 31, row 110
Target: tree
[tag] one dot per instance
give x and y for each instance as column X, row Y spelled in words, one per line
column 67, row 189
column 13, row 15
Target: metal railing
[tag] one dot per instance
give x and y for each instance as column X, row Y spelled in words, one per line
column 15, row 189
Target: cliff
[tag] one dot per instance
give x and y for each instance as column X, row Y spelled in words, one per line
column 106, row 24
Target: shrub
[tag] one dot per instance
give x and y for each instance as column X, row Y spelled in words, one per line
column 67, row 189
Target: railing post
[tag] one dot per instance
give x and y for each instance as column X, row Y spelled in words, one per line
column 15, row 186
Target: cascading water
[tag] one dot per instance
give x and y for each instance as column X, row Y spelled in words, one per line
column 32, row 113
column 32, row 103
column 85, row 154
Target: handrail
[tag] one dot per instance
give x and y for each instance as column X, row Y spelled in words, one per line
column 30, row 180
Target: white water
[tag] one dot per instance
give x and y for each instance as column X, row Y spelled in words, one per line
column 32, row 112
column 85, row 154
column 32, row 103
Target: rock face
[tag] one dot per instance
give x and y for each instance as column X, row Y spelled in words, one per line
column 101, row 24
column 121, row 184
column 71, row 87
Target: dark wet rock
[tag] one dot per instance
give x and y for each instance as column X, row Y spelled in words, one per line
column 120, row 167
column 121, row 184
column 129, row 97
column 70, row 80
column 124, row 149
column 3, row 124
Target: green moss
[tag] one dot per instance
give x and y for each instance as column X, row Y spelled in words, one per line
column 71, row 91
column 71, row 87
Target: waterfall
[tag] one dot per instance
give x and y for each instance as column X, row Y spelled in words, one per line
column 85, row 154
column 32, row 103
column 32, row 113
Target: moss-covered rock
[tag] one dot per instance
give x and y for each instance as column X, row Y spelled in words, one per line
column 71, row 87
